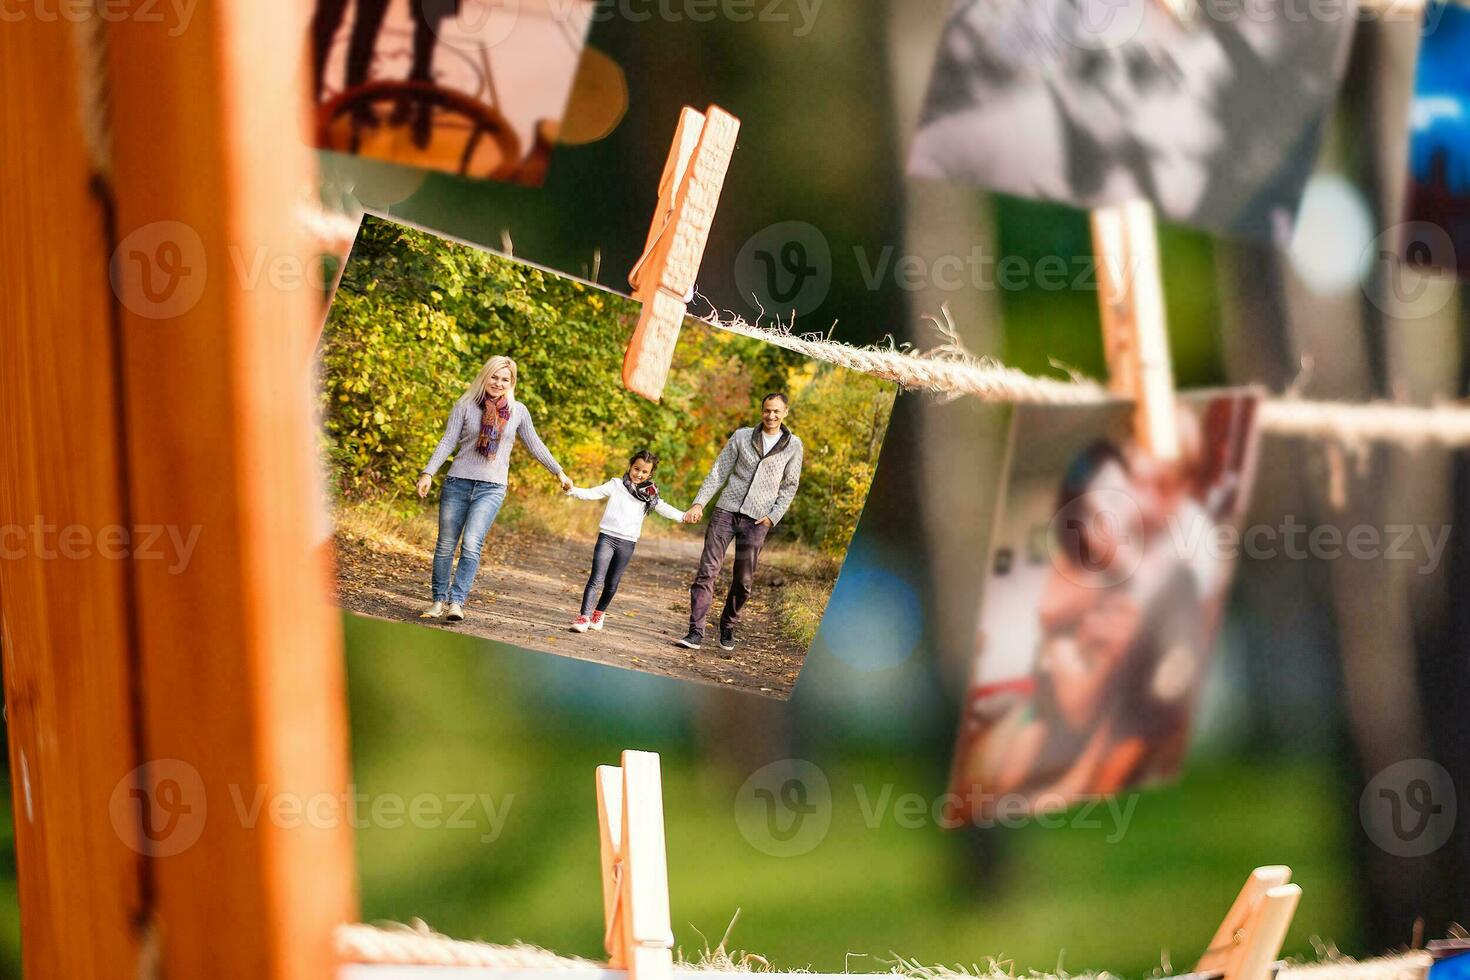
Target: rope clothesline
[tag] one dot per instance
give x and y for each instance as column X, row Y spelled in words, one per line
column 418, row 945
column 950, row 369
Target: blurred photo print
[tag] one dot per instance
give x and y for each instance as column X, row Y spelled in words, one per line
column 1105, row 588
column 476, row 88
column 1437, row 201
column 492, row 476
column 1210, row 109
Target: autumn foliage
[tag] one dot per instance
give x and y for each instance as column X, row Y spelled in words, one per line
column 415, row 316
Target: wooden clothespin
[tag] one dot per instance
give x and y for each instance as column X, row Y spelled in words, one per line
column 1249, row 939
column 1184, row 11
column 635, row 878
column 663, row 277
column 1131, row 297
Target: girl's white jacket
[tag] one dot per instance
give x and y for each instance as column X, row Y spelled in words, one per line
column 623, row 517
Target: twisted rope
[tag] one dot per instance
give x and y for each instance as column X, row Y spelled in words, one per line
column 1413, row 965
column 947, row 369
column 418, row 945
column 950, row 369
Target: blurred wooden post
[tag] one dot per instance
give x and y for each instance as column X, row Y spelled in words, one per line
column 176, row 400
column 66, row 624
column 1130, row 295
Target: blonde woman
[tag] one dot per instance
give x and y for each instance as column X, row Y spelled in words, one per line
column 483, row 426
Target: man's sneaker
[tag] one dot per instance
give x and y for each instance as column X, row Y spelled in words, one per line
column 692, row 641
column 433, row 612
column 727, row 641
column 597, row 617
column 582, row 624
column 456, row 613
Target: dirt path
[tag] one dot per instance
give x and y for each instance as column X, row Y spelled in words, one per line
column 529, row 590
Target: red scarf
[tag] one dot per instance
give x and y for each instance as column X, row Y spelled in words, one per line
column 645, row 493
column 493, row 412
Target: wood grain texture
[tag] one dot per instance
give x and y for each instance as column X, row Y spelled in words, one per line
column 610, row 836
column 64, row 620
column 241, row 673
column 667, row 272
column 1239, row 940
column 1130, row 293
column 681, row 151
column 647, row 934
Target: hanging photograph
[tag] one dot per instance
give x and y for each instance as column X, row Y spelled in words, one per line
column 1213, row 112
column 492, row 476
column 471, row 87
column 1437, row 202
column 1106, row 585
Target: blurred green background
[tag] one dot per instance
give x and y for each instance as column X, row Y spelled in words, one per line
column 877, row 886
column 1277, row 770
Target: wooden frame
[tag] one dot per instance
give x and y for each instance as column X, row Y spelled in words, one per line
column 179, row 401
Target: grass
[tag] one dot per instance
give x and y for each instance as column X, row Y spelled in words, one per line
column 386, row 529
column 799, row 607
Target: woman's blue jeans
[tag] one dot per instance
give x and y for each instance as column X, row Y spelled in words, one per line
column 467, row 508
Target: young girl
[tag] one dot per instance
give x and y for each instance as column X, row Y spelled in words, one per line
column 628, row 501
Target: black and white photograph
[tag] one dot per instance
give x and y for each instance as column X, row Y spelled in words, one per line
column 1213, row 112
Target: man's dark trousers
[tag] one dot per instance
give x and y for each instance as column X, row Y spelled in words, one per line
column 749, row 537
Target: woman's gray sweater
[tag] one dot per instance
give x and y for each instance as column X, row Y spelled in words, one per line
column 462, row 432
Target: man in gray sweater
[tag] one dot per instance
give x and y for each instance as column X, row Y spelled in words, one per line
column 760, row 469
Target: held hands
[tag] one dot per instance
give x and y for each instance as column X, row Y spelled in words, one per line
column 566, row 483
column 694, row 514
column 425, row 482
